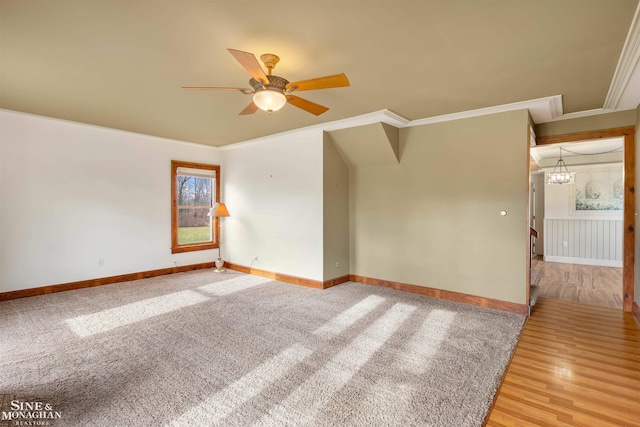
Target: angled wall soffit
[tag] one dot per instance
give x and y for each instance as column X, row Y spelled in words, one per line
column 375, row 144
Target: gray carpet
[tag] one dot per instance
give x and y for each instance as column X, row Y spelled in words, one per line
column 204, row 349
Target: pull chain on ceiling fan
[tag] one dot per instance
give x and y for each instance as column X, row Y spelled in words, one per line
column 271, row 92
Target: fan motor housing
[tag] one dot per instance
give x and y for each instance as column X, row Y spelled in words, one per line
column 275, row 83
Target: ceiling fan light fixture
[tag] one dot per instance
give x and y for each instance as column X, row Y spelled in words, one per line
column 269, row 100
column 271, row 92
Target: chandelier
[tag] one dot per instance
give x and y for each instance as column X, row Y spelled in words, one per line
column 561, row 174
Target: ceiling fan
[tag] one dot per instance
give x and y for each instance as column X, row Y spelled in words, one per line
column 270, row 92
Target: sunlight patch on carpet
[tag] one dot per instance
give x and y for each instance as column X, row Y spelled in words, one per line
column 348, row 317
column 250, row 385
column 236, row 284
column 305, row 401
column 106, row 320
column 223, row 403
column 425, row 343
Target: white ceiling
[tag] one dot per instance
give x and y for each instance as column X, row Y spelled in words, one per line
column 573, row 149
column 121, row 63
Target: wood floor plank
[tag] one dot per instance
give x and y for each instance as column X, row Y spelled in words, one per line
column 624, row 351
column 581, row 395
column 557, row 376
column 575, row 365
column 528, row 413
column 508, row 417
column 587, row 394
column 608, row 365
column 568, row 410
column 623, row 337
column 587, row 284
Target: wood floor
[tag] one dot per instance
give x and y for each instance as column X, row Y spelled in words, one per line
column 575, row 365
column 586, row 284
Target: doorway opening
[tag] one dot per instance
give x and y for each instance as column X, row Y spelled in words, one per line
column 585, row 246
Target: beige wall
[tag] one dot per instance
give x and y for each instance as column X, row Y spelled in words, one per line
column 433, row 220
column 583, row 124
column 335, row 211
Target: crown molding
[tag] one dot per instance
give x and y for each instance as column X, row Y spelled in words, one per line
column 385, row 116
column 395, row 119
column 542, row 110
column 627, row 65
column 585, row 113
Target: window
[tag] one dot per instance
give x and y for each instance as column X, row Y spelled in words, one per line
column 195, row 189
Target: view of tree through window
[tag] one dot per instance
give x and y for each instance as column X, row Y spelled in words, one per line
column 194, row 203
column 195, row 190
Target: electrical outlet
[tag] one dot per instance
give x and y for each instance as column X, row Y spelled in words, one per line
column 101, row 262
column 337, row 264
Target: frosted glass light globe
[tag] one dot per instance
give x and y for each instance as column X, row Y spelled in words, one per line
column 269, row 100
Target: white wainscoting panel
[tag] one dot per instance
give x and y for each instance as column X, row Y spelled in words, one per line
column 583, row 241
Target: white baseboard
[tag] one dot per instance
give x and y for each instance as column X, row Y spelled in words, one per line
column 583, row 261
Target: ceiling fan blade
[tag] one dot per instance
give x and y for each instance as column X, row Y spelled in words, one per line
column 250, row 63
column 249, row 109
column 215, row 88
column 308, row 106
column 337, row 80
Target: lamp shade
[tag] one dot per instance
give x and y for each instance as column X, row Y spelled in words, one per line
column 219, row 210
column 269, row 100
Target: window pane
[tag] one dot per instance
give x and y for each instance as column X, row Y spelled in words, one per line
column 194, row 191
column 194, row 226
column 195, row 188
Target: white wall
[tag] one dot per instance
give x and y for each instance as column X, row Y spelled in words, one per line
column 274, row 191
column 536, row 202
column 557, row 200
column 584, row 241
column 593, row 238
column 71, row 194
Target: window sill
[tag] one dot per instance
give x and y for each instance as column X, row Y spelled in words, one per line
column 195, row 247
